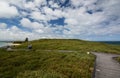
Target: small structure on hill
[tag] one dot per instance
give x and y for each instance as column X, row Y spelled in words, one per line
column 26, row 40
column 30, row 46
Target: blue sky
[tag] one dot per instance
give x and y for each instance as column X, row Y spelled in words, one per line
column 97, row 20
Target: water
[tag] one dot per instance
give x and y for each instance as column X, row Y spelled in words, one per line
column 111, row 42
column 4, row 44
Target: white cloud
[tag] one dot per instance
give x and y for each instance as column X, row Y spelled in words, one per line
column 29, row 5
column 38, row 2
column 111, row 30
column 49, row 14
column 58, row 13
column 7, row 11
column 15, row 2
column 3, row 25
column 37, row 28
column 53, row 5
column 25, row 22
column 14, row 33
column 102, row 19
column 48, row 10
column 53, row 14
column 32, row 25
column 38, row 16
column 71, row 21
column 15, row 29
column 78, row 3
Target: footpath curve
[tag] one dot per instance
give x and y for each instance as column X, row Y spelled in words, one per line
column 106, row 66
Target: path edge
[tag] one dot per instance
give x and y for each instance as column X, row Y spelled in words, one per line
column 94, row 67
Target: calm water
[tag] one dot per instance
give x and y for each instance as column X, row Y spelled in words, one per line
column 111, row 42
column 4, row 44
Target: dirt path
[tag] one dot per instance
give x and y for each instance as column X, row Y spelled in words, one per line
column 106, row 66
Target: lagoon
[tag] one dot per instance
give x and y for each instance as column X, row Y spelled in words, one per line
column 2, row 43
column 111, row 42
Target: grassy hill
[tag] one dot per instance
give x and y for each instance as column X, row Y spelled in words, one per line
column 71, row 44
column 52, row 58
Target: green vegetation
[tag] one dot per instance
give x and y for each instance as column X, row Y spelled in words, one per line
column 43, row 64
column 77, row 45
column 46, row 60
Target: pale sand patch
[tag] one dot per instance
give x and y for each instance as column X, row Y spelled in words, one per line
column 14, row 44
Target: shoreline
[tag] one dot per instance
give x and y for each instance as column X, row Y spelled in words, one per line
column 10, row 44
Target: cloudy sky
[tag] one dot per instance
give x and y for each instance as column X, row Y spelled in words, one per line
column 78, row 19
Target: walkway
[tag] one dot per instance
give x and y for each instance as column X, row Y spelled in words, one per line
column 106, row 66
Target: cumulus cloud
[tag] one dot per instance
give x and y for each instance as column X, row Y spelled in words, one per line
column 10, row 33
column 15, row 33
column 3, row 25
column 7, row 11
column 81, row 18
column 36, row 15
column 32, row 25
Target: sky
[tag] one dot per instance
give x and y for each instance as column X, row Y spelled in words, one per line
column 95, row 20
